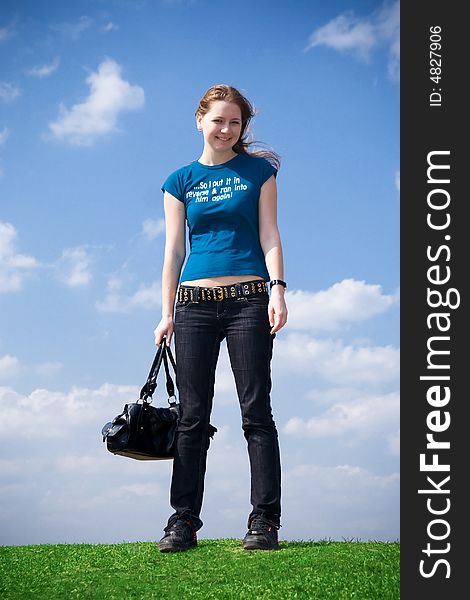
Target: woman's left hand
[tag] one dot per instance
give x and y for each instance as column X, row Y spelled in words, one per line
column 277, row 309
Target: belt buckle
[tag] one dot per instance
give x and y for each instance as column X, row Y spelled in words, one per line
column 220, row 291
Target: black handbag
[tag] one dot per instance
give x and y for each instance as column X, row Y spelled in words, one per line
column 143, row 431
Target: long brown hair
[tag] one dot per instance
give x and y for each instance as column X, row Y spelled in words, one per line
column 222, row 91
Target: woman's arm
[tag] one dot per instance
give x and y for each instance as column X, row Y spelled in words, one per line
column 271, row 244
column 175, row 252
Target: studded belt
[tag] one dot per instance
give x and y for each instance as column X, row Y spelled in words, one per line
column 188, row 293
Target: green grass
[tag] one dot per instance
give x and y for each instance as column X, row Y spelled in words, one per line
column 216, row 569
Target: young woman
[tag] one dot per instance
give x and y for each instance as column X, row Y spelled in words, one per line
column 228, row 198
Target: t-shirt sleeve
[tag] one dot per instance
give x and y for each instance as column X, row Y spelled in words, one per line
column 173, row 186
column 267, row 169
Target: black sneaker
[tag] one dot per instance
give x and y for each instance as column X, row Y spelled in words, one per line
column 261, row 535
column 180, row 534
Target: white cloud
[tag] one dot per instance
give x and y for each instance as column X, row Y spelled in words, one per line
column 225, row 389
column 45, row 414
column 332, row 395
column 7, row 236
column 388, row 31
column 143, row 490
column 334, row 362
column 393, row 441
column 361, row 36
column 48, row 369
column 93, row 463
column 397, row 180
column 341, row 502
column 14, row 268
column 345, row 33
column 10, row 467
column 364, row 417
column 74, row 267
column 74, row 490
column 44, row 70
column 8, row 91
column 4, row 135
column 9, row 367
column 146, row 297
column 110, row 26
column 152, row 228
column 6, row 33
column 348, row 300
column 74, row 30
column 98, row 114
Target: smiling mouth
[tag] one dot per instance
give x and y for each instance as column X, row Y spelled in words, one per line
column 223, row 139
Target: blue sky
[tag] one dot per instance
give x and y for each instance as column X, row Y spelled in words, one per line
column 97, row 102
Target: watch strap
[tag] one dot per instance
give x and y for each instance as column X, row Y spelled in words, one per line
column 277, row 282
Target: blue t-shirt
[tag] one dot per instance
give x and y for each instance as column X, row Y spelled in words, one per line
column 221, row 204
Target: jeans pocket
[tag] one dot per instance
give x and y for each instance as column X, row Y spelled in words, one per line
column 257, row 300
column 181, row 306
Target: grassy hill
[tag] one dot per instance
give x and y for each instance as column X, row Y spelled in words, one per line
column 216, row 569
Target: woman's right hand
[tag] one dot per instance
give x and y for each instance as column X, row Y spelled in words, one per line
column 164, row 328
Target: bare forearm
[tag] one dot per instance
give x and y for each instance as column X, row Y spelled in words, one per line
column 170, row 278
column 273, row 256
column 277, row 309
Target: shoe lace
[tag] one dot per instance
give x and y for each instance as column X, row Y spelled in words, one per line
column 262, row 524
column 177, row 523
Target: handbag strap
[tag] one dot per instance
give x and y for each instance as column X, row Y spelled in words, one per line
column 148, row 389
column 172, row 360
column 170, row 386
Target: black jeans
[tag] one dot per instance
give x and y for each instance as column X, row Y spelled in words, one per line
column 199, row 329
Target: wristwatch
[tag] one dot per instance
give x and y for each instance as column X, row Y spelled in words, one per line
column 277, row 282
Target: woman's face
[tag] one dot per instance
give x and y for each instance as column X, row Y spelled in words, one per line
column 221, row 126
